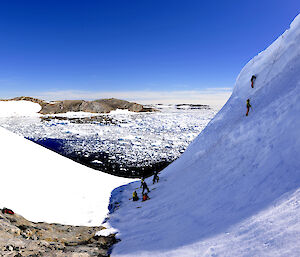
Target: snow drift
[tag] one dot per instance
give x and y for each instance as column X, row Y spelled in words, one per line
column 236, row 189
column 44, row 186
column 19, row 108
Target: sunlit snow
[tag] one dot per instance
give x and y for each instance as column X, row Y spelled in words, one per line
column 236, row 189
column 130, row 139
column 44, row 186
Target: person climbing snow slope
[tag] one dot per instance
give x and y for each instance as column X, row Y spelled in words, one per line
column 248, row 107
column 135, row 196
column 145, row 187
column 155, row 177
column 253, row 78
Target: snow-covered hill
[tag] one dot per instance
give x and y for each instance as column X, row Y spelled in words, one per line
column 236, row 189
column 19, row 108
column 44, row 186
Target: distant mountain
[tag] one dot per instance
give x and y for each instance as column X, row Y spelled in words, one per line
column 96, row 106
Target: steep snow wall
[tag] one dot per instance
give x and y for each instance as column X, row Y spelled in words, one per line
column 236, row 189
column 44, row 186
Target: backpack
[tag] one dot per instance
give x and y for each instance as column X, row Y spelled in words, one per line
column 145, row 197
column 7, row 211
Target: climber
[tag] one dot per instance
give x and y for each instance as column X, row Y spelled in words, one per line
column 248, row 106
column 142, row 181
column 253, row 78
column 135, row 196
column 155, row 177
column 7, row 211
column 145, row 197
column 144, row 185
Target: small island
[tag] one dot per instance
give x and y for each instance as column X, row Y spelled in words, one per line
column 96, row 106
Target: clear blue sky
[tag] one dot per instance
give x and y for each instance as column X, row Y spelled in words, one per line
column 119, row 45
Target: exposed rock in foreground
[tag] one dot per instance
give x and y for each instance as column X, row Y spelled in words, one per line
column 20, row 237
column 96, row 106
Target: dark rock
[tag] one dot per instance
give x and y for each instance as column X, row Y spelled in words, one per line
column 193, row 106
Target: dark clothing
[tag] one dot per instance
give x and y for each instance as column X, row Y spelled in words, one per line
column 142, row 181
column 155, row 177
column 145, row 187
column 248, row 108
column 253, row 78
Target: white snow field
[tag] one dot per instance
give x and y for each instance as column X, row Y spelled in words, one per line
column 44, row 186
column 19, row 109
column 236, row 189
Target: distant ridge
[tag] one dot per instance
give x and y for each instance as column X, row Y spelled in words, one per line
column 96, row 106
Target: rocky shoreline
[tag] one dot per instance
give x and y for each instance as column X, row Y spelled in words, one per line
column 20, row 237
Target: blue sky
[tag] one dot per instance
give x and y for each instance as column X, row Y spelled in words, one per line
column 86, row 49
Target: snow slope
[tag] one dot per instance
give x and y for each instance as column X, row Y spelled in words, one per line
column 19, row 108
column 236, row 189
column 44, row 186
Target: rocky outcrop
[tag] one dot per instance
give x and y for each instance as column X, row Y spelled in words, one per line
column 20, row 237
column 96, row 106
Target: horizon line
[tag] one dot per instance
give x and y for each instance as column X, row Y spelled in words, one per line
column 211, row 96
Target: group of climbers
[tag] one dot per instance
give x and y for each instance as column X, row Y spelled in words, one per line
column 248, row 105
column 155, row 175
column 145, row 187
